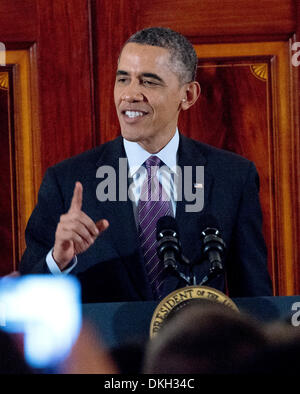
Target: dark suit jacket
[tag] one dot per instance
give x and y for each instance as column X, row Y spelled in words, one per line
column 112, row 268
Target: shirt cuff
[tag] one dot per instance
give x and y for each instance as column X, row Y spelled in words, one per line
column 54, row 268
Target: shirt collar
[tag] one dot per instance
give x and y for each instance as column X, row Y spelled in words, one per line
column 137, row 155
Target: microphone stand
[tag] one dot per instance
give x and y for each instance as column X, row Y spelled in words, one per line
column 181, row 275
column 190, row 279
column 214, row 272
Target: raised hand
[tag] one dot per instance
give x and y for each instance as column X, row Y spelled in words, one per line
column 76, row 231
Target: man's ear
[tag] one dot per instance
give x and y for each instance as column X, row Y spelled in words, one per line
column 191, row 94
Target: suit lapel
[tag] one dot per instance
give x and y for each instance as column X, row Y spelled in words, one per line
column 189, row 155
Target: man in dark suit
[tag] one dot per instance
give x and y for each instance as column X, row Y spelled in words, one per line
column 72, row 231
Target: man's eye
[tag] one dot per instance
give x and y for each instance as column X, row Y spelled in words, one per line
column 149, row 83
column 121, row 80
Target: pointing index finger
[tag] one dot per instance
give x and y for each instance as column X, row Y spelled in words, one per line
column 76, row 202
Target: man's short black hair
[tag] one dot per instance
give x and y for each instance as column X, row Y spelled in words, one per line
column 183, row 58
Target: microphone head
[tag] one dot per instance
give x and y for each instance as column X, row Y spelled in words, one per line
column 209, row 224
column 168, row 242
column 211, row 237
column 166, row 224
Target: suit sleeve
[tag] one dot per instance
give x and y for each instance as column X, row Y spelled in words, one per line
column 247, row 261
column 41, row 227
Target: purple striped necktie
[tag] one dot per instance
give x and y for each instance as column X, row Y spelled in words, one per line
column 153, row 204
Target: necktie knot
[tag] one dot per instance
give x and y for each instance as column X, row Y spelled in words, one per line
column 152, row 161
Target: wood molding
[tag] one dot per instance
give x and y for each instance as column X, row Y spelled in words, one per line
column 27, row 149
column 295, row 98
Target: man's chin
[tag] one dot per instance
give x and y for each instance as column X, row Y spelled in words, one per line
column 130, row 136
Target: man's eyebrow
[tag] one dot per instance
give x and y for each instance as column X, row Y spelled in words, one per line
column 147, row 75
column 121, row 72
column 154, row 76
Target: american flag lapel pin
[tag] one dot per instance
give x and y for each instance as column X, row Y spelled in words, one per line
column 198, row 185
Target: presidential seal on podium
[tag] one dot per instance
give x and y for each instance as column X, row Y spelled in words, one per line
column 182, row 297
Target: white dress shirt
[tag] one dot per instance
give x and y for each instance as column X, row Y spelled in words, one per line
column 136, row 156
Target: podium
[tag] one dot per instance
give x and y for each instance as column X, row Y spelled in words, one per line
column 118, row 323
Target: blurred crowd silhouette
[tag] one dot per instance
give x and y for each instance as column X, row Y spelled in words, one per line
column 202, row 338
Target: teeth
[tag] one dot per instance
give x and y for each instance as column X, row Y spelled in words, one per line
column 133, row 114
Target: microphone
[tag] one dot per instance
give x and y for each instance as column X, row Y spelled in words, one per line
column 168, row 244
column 213, row 246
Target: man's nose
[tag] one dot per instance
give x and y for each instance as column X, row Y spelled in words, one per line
column 132, row 93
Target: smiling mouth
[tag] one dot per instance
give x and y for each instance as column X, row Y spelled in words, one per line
column 134, row 114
